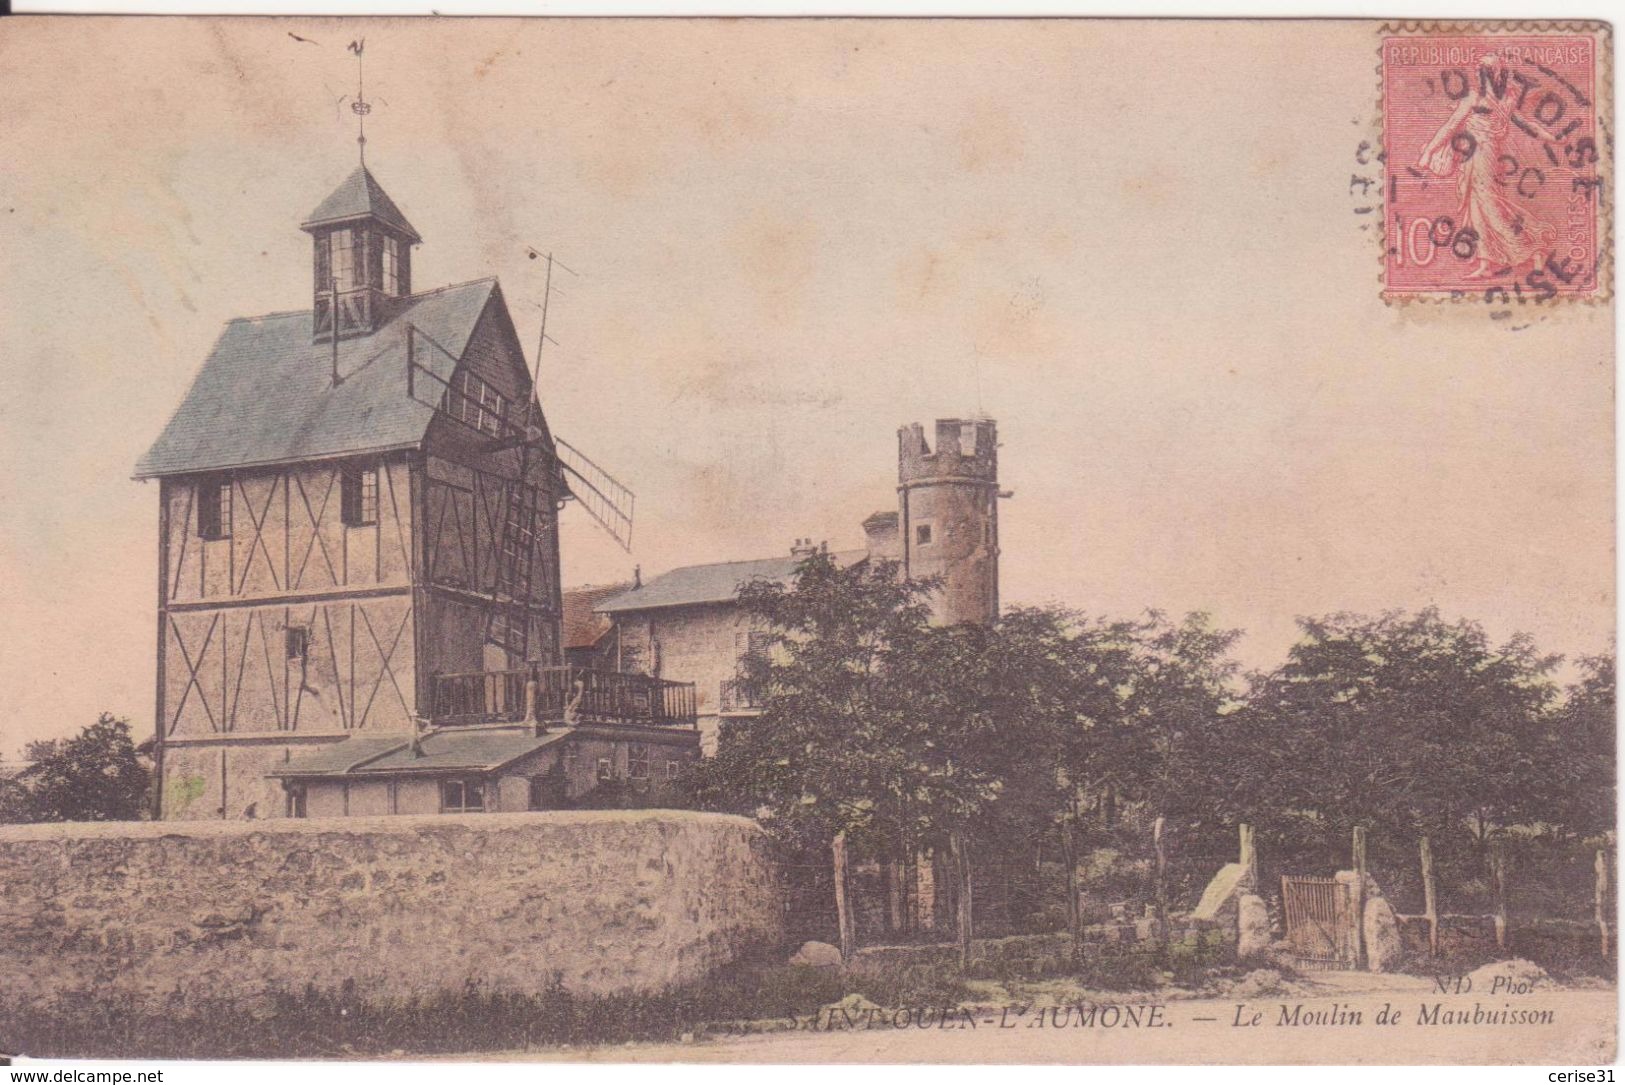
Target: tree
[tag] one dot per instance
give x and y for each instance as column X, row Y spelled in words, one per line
column 870, row 719
column 98, row 775
column 1405, row 723
column 1580, row 754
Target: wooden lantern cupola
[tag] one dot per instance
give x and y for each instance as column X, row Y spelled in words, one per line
column 363, row 257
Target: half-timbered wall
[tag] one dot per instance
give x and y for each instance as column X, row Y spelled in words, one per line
column 468, row 517
column 287, row 534
column 232, row 670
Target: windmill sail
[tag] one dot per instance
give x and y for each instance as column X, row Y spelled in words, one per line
column 604, row 497
column 600, row 493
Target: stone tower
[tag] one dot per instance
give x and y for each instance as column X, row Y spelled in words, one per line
column 948, row 501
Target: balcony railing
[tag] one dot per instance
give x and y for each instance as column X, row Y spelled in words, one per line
column 563, row 695
column 741, row 695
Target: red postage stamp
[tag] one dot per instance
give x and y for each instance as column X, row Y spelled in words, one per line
column 1494, row 148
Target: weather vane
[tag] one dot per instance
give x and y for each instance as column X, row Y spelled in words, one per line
column 360, row 107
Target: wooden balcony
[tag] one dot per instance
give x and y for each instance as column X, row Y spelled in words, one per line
column 568, row 695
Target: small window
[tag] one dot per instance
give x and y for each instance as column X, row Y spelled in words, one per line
column 360, row 496
column 344, row 274
column 637, row 761
column 392, row 266
column 298, row 641
column 571, row 757
column 214, row 509
column 606, row 769
column 476, row 403
column 462, row 796
column 672, row 769
column 296, row 801
column 922, row 535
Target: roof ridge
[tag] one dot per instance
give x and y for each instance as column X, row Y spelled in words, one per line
column 277, row 313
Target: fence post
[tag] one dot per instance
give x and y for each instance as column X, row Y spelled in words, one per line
column 1160, row 887
column 1601, row 898
column 1249, row 857
column 962, row 895
column 843, row 907
column 1498, row 883
column 1069, row 855
column 1430, row 898
column 1359, row 897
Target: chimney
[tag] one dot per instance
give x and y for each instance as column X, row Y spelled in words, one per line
column 880, row 530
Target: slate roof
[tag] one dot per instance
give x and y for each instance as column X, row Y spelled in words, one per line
column 716, row 583
column 583, row 627
column 441, row 751
column 265, row 395
column 358, row 196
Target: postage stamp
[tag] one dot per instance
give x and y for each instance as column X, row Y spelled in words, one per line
column 1495, row 142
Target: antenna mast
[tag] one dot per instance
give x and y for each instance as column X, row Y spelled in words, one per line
column 548, row 291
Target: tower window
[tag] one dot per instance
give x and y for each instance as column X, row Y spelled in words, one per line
column 298, row 641
column 214, row 509
column 359, row 497
column 345, row 259
column 967, row 438
column 392, row 266
column 922, row 534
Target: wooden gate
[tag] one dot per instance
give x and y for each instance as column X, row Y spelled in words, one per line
column 1319, row 921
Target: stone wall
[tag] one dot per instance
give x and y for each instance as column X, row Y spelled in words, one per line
column 181, row 913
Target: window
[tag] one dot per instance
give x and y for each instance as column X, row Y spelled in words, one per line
column 359, row 496
column 672, row 769
column 472, row 401
column 922, row 535
column 967, row 438
column 392, row 266
column 296, row 800
column 345, row 262
column 606, row 769
column 214, row 509
column 637, row 761
column 298, row 641
column 462, row 796
column 751, row 646
column 571, row 755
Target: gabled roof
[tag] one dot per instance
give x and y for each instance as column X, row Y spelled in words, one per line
column 716, row 583
column 583, row 627
column 266, row 395
column 360, row 196
column 438, row 751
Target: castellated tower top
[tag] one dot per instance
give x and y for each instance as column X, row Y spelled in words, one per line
column 965, row 449
column 948, row 512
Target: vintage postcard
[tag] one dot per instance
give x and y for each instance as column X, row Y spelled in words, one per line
column 803, row 541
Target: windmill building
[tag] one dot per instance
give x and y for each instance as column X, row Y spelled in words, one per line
column 359, row 608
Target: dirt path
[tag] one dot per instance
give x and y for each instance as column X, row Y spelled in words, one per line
column 1335, row 1022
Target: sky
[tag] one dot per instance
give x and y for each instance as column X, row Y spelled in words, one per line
column 1135, row 245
